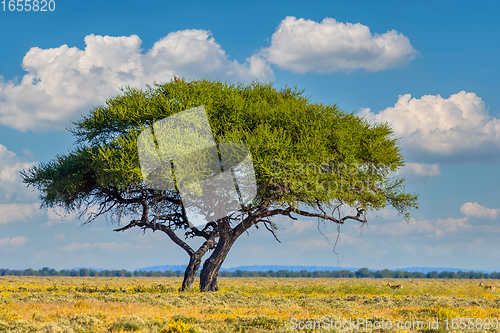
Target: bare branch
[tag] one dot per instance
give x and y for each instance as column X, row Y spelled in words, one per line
column 271, row 231
column 279, row 211
column 176, row 239
column 133, row 223
column 331, row 218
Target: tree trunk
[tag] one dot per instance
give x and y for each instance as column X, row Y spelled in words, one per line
column 210, row 270
column 191, row 271
column 194, row 264
column 227, row 237
column 211, row 266
column 194, row 256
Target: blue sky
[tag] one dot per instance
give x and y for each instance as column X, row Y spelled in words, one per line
column 431, row 69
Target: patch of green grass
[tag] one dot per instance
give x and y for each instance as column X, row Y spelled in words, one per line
column 128, row 324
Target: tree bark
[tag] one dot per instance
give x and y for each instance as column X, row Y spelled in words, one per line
column 191, row 271
column 194, row 264
column 211, row 266
column 227, row 237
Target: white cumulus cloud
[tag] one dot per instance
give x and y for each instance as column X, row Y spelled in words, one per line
column 473, row 209
column 299, row 227
column 11, row 188
column 18, row 212
column 14, row 242
column 307, row 46
column 438, row 227
column 419, row 172
column 456, row 126
column 63, row 82
column 58, row 215
column 194, row 53
column 423, row 169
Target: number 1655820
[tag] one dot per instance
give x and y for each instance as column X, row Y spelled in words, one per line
column 28, row 5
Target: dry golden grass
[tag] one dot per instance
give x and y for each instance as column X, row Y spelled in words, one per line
column 98, row 304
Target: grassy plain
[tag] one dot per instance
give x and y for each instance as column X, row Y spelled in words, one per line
column 98, row 304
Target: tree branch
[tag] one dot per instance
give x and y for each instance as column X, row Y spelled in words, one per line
column 176, row 239
column 271, row 230
column 330, row 218
column 133, row 223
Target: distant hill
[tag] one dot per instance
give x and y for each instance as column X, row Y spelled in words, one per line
column 173, row 268
column 288, row 268
column 440, row 269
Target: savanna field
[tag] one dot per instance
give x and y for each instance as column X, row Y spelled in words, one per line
column 101, row 304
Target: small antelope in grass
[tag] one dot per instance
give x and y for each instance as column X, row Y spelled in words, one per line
column 395, row 286
column 492, row 288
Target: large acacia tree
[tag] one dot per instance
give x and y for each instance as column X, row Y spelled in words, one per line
column 310, row 160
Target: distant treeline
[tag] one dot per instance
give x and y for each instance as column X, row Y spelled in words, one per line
column 86, row 272
column 365, row 273
column 362, row 273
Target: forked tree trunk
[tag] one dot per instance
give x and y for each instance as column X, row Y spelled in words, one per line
column 194, row 261
column 227, row 237
column 211, row 266
column 191, row 271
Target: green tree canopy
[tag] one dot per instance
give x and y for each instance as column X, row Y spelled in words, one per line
column 309, row 159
